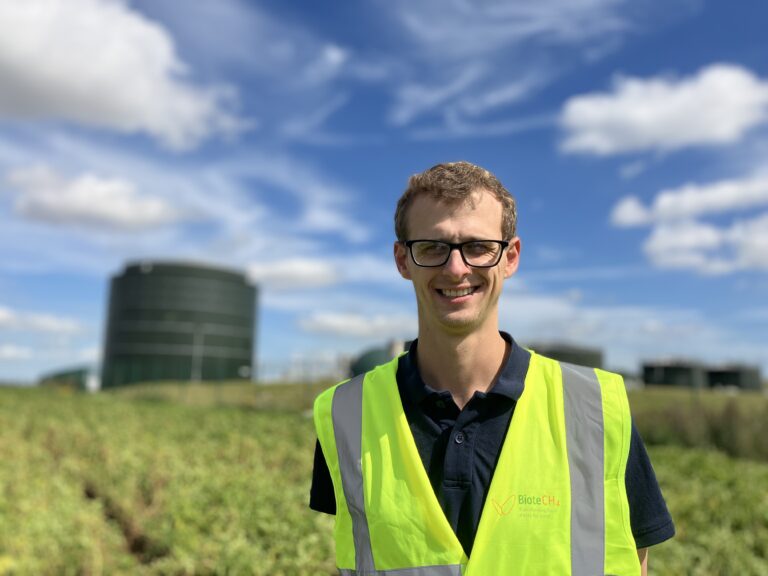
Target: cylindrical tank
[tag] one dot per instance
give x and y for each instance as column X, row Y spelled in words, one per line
column 175, row 321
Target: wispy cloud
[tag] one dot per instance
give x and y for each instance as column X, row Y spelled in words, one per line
column 303, row 76
column 323, row 270
column 414, row 99
column 460, row 29
column 629, row 333
column 297, row 273
column 665, row 113
column 13, row 352
column 102, row 64
column 457, row 127
column 22, row 321
column 378, row 327
column 468, row 62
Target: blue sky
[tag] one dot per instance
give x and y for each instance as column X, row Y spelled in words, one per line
column 276, row 137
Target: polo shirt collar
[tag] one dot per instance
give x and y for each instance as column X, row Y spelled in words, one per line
column 510, row 382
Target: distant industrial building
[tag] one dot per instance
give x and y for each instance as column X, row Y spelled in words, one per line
column 177, row 321
column 693, row 374
column 80, row 378
column 683, row 373
column 735, row 376
column 580, row 355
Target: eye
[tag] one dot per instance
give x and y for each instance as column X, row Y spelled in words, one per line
column 480, row 248
column 431, row 248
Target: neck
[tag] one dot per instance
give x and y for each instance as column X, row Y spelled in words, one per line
column 461, row 364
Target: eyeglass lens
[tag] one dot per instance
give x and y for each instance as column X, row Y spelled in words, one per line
column 476, row 253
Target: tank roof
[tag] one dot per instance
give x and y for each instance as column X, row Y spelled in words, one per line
column 182, row 268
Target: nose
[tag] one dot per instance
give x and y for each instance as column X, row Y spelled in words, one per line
column 455, row 266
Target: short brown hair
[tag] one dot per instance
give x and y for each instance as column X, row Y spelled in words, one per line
column 455, row 182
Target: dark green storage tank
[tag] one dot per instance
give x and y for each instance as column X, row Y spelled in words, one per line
column 562, row 352
column 175, row 321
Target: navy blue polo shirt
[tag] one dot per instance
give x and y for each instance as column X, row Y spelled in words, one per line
column 460, row 448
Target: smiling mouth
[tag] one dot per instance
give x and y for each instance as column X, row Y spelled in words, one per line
column 457, row 293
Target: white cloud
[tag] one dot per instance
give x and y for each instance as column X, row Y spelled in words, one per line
column 684, row 245
column 87, row 200
column 750, row 238
column 710, row 249
column 665, row 113
column 90, row 354
column 360, row 325
column 298, row 273
column 632, row 170
column 297, row 71
column 679, row 239
column 234, row 210
column 630, row 212
column 326, row 65
column 694, row 200
column 12, row 352
column 628, row 334
column 309, row 273
column 102, row 64
column 37, row 322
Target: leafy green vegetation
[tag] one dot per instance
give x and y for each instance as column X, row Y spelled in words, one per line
column 102, row 485
column 734, row 423
column 202, row 480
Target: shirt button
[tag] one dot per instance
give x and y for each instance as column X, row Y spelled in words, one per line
column 459, row 438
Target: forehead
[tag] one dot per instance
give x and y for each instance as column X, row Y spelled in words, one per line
column 478, row 217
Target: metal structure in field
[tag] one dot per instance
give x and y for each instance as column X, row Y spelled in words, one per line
column 175, row 321
column 81, row 378
column 372, row 357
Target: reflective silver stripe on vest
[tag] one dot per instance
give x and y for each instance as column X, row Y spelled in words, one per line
column 446, row 570
column 347, row 413
column 584, row 439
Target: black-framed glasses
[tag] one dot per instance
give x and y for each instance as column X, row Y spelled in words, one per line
column 475, row 253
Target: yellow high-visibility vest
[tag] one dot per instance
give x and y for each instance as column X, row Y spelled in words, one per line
column 557, row 504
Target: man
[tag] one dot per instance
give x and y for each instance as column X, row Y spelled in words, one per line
column 469, row 454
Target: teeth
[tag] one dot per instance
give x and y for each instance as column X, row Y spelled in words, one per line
column 456, row 293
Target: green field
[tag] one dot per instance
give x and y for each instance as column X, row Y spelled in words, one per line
column 202, row 480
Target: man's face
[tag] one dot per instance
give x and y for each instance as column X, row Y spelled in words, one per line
column 456, row 298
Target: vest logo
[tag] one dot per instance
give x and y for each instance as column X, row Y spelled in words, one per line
column 544, row 500
column 505, row 507
column 540, row 505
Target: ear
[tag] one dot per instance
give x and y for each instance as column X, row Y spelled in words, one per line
column 511, row 258
column 401, row 260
